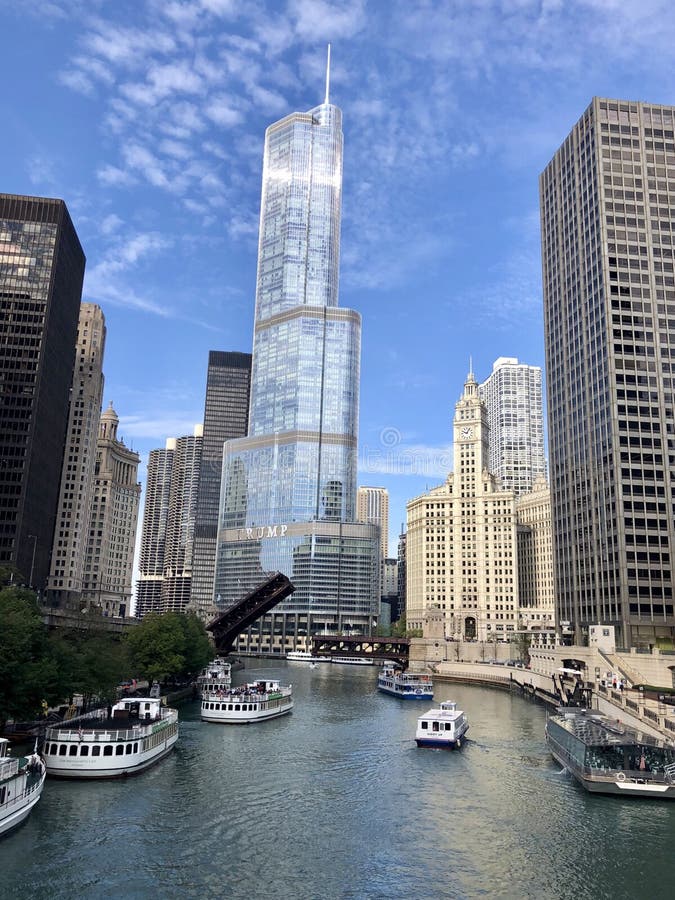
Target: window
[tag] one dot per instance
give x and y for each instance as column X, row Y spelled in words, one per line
column 107, row 750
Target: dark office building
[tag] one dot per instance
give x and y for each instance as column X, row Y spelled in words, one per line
column 228, row 385
column 41, row 273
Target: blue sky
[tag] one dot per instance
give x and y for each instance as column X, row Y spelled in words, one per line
column 147, row 117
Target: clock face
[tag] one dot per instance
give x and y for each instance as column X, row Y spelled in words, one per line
column 466, row 432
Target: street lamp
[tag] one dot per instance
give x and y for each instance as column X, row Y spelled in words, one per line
column 32, row 562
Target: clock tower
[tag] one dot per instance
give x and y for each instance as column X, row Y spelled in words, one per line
column 471, row 432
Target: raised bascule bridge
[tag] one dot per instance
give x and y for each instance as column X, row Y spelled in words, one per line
column 228, row 625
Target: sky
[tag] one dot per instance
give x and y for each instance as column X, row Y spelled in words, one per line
column 148, row 117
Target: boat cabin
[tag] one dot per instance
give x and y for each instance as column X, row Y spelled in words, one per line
column 143, row 708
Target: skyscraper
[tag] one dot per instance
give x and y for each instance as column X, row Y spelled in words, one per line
column 512, row 394
column 372, row 507
column 77, row 477
column 461, row 540
column 289, row 488
column 228, row 385
column 153, row 535
column 41, row 272
column 112, row 525
column 609, row 314
column 167, row 540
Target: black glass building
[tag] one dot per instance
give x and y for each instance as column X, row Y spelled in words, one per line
column 41, row 273
column 228, row 385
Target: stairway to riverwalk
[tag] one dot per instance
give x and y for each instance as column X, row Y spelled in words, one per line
column 617, row 664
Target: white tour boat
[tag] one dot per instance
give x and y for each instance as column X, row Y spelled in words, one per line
column 444, row 727
column 406, row 685
column 217, row 676
column 352, row 661
column 248, row 703
column 138, row 733
column 305, row 656
column 21, row 783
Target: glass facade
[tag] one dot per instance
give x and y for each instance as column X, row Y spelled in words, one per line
column 288, row 490
column 228, row 386
column 41, row 273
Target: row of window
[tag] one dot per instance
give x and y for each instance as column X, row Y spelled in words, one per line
column 71, row 749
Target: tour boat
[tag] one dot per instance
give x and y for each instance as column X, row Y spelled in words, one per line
column 607, row 757
column 253, row 702
column 217, row 676
column 352, row 661
column 305, row 656
column 407, row 685
column 138, row 733
column 444, row 727
column 21, row 783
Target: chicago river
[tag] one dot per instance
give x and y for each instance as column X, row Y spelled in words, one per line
column 336, row 801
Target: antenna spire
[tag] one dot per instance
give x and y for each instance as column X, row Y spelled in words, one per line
column 327, row 101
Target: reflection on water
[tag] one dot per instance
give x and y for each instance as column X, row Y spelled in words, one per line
column 336, row 801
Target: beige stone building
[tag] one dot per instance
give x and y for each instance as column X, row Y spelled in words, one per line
column 461, row 542
column 114, row 518
column 64, row 586
column 372, row 508
column 535, row 558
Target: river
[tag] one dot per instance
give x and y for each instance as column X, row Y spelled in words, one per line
column 335, row 802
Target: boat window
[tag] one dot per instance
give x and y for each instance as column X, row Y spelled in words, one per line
column 95, row 751
column 107, row 750
column 84, row 750
column 73, row 750
column 128, row 748
column 2, row 795
column 62, row 749
column 47, row 750
column 425, row 726
column 119, row 750
column 434, row 726
column 237, row 706
column 135, row 746
column 448, row 726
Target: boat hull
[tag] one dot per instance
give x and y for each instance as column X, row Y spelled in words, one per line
column 127, row 767
column 417, row 694
column 14, row 814
column 628, row 787
column 454, row 743
column 233, row 717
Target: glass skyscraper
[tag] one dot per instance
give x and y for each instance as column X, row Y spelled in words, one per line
column 288, row 490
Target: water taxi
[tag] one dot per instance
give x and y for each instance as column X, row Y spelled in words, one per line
column 136, row 733
column 608, row 757
column 406, row 685
column 217, row 676
column 247, row 703
column 444, row 726
column 21, row 783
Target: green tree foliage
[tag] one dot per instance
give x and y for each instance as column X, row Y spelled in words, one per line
column 29, row 668
column 168, row 645
column 96, row 662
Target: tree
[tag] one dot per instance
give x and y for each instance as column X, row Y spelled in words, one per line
column 29, row 669
column 96, row 663
column 169, row 645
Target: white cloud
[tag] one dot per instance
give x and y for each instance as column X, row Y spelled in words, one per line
column 115, row 177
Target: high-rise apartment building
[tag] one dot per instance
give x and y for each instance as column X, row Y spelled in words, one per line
column 609, row 315
column 512, row 394
column 71, row 534
column 288, row 491
column 112, row 526
column 228, row 385
column 461, row 539
column 153, row 535
column 41, row 273
column 167, row 540
column 372, row 507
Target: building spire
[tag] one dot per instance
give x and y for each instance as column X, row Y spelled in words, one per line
column 327, row 101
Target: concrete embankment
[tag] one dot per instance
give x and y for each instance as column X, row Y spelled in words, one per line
column 530, row 684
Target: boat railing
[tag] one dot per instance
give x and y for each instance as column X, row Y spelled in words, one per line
column 81, row 735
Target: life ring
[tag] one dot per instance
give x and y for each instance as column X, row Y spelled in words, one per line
column 621, row 776
column 418, row 690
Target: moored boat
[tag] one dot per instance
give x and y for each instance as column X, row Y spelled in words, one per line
column 607, row 757
column 444, row 726
column 21, row 783
column 352, row 661
column 305, row 656
column 138, row 733
column 406, row 685
column 253, row 702
column 217, row 676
